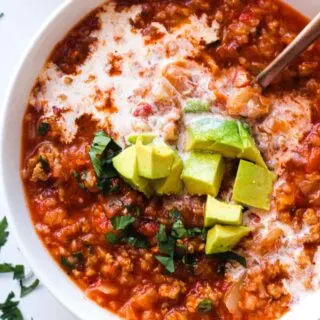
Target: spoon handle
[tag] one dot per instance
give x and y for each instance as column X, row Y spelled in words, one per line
column 304, row 39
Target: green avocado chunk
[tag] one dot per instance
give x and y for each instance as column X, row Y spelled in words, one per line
column 196, row 105
column 214, row 134
column 203, row 173
column 146, row 137
column 126, row 165
column 154, row 161
column 173, row 183
column 219, row 212
column 224, row 238
column 253, row 185
column 249, row 148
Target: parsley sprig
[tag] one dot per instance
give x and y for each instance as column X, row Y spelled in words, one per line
column 3, row 231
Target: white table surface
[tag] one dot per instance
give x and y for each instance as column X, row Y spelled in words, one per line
column 21, row 20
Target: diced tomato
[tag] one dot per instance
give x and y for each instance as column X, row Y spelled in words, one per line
column 149, row 228
column 143, row 109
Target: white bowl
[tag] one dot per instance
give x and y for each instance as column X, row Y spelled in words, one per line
column 18, row 215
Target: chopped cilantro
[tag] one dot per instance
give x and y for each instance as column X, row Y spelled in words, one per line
column 162, row 235
column 121, row 222
column 193, row 232
column 167, row 262
column 99, row 145
column 205, row 305
column 66, row 263
column 6, row 267
column 138, row 242
column 18, row 272
column 79, row 178
column 43, row 129
column 167, row 247
column 112, row 238
column 44, row 164
column 178, row 230
column 9, row 309
column 102, row 150
column 3, row 231
column 25, row 290
column 135, row 210
column 174, row 215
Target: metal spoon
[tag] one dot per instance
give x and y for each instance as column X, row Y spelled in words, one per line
column 304, row 39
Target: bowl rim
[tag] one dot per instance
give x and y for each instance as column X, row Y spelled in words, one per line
column 302, row 307
column 36, row 267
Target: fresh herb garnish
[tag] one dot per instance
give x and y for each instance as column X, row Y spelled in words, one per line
column 6, row 267
column 121, row 222
column 99, row 145
column 166, row 246
column 167, row 262
column 79, row 178
column 66, row 263
column 174, row 215
column 25, row 290
column 18, row 272
column 138, row 242
column 9, row 309
column 162, row 235
column 189, row 260
column 102, row 150
column 230, row 255
column 112, row 238
column 43, row 128
column 135, row 210
column 44, row 164
column 178, row 230
column 3, row 231
column 1, row 14
column 205, row 305
column 193, row 232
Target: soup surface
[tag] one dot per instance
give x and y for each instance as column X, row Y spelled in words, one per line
column 133, row 67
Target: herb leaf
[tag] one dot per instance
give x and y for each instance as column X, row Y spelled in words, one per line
column 10, row 309
column 43, row 129
column 98, row 146
column 18, row 272
column 79, row 178
column 6, row 267
column 112, row 238
column 175, row 215
column 167, row 262
column 162, row 235
column 102, row 150
column 138, row 242
column 121, row 222
column 205, row 305
column 178, row 230
column 3, row 231
column 167, row 247
column 66, row 263
column 25, row 290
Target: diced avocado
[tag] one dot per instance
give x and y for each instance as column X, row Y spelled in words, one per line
column 196, row 105
column 203, row 172
column 218, row 212
column 146, row 137
column 214, row 134
column 154, row 161
column 249, row 148
column 173, row 183
column 224, row 238
column 253, row 185
column 126, row 165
